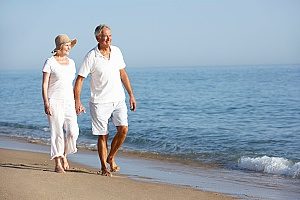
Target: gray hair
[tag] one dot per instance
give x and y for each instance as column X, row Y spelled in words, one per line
column 99, row 29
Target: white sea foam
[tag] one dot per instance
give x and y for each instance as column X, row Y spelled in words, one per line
column 271, row 165
column 46, row 129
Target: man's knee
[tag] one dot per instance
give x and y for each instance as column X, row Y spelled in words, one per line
column 102, row 138
column 123, row 130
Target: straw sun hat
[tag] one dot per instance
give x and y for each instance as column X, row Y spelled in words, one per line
column 61, row 40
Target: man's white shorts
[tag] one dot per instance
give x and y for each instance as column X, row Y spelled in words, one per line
column 102, row 112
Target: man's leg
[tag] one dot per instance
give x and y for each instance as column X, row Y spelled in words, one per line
column 102, row 152
column 115, row 145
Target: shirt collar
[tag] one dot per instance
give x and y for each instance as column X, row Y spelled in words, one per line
column 98, row 51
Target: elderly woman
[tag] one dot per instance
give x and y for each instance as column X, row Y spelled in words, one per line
column 57, row 89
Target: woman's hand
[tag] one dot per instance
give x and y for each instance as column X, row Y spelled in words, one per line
column 47, row 109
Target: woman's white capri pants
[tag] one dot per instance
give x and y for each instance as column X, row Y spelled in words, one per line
column 63, row 126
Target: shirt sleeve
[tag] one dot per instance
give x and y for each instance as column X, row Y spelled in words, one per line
column 73, row 65
column 121, row 62
column 85, row 68
column 47, row 66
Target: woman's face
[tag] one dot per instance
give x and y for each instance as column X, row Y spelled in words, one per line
column 104, row 38
column 65, row 49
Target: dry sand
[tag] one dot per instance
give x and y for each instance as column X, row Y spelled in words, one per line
column 29, row 175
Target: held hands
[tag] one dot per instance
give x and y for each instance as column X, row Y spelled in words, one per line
column 79, row 108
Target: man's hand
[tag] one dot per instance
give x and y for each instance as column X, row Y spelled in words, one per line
column 132, row 103
column 79, row 108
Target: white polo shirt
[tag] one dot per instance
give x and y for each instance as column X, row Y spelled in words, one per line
column 61, row 79
column 106, row 85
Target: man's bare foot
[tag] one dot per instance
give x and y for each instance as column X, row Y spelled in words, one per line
column 59, row 169
column 113, row 166
column 65, row 163
column 104, row 172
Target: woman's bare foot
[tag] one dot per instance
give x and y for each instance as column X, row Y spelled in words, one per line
column 113, row 166
column 59, row 169
column 65, row 163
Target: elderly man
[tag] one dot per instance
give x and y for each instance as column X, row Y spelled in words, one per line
column 106, row 66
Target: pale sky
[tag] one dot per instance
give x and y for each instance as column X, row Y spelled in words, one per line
column 154, row 33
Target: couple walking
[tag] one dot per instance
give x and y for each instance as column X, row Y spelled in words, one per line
column 62, row 104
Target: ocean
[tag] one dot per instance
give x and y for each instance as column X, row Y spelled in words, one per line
column 240, row 118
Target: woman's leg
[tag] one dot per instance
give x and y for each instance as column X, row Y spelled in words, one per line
column 56, row 121
column 71, row 131
column 58, row 165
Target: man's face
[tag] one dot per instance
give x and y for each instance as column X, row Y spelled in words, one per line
column 104, row 38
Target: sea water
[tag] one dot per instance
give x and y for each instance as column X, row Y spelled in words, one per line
column 240, row 118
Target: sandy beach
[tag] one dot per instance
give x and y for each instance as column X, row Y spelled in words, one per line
column 30, row 175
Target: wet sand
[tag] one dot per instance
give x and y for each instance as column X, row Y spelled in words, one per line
column 30, row 175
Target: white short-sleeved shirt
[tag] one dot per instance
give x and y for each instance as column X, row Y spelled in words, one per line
column 61, row 79
column 106, row 85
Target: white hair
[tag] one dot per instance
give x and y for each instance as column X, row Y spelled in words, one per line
column 99, row 29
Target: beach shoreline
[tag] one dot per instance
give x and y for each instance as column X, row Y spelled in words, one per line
column 232, row 184
column 30, row 175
